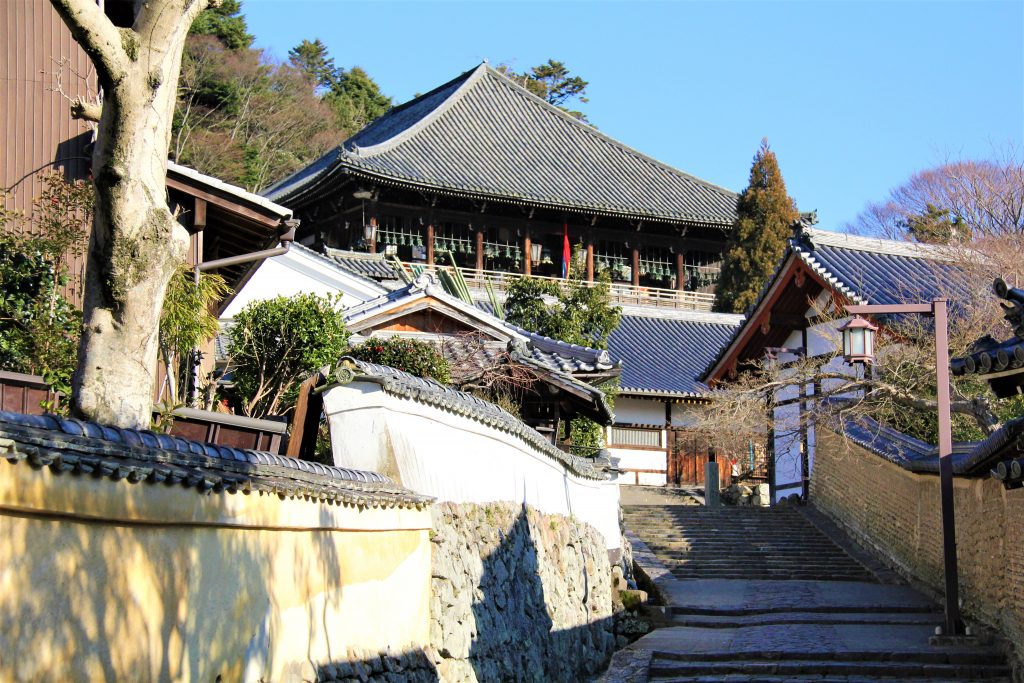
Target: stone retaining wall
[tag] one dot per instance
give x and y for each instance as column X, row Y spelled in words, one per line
column 518, row 595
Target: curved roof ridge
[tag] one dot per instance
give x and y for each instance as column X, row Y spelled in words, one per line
column 468, row 78
column 539, row 101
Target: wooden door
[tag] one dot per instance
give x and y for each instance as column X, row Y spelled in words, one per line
column 689, row 453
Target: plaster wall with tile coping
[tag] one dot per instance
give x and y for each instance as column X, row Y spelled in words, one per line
column 457, row 459
column 106, row 580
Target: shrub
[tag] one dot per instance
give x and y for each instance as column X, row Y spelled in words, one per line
column 409, row 355
column 274, row 345
column 39, row 327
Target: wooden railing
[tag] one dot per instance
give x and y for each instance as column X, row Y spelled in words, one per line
column 621, row 293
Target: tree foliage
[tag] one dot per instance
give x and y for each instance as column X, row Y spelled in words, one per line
column 225, row 23
column 974, row 200
column 764, row 219
column 39, row 327
column 551, row 82
column 186, row 323
column 416, row 357
column 250, row 120
column 578, row 312
column 313, row 59
column 274, row 345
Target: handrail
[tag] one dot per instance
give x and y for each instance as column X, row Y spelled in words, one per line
column 620, row 292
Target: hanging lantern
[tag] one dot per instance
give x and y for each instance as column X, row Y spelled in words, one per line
column 858, row 340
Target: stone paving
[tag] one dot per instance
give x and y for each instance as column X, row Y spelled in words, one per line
column 790, row 630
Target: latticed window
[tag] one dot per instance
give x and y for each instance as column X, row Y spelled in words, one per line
column 635, row 436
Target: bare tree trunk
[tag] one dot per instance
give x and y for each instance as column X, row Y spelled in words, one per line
column 136, row 242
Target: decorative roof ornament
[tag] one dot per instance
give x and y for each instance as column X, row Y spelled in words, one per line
column 1013, row 306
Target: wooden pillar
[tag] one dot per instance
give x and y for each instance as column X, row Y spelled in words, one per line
column 526, row 253
column 479, row 249
column 373, row 235
column 590, row 259
column 770, row 449
column 430, row 244
column 199, row 215
column 681, row 271
column 635, row 266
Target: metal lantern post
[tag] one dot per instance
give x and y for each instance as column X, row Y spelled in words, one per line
column 858, row 336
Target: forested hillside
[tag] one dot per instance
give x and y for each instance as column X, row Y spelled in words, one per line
column 250, row 120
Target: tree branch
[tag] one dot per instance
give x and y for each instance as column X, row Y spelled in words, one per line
column 97, row 35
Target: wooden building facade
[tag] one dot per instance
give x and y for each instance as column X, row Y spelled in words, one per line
column 481, row 172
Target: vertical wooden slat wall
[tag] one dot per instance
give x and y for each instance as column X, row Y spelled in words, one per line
column 36, row 127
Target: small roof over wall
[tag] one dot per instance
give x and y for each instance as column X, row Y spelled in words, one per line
column 850, row 268
column 482, row 136
column 424, row 308
column 970, row 459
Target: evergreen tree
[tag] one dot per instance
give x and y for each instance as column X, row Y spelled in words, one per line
column 226, row 23
column 764, row 219
column 551, row 82
column 357, row 100
column 313, row 59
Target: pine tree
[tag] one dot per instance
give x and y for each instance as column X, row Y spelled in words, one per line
column 226, row 23
column 313, row 59
column 764, row 218
column 356, row 99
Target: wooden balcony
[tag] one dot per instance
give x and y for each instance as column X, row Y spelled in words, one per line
column 622, row 293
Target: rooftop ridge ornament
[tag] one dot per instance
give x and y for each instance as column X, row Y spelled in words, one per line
column 1013, row 307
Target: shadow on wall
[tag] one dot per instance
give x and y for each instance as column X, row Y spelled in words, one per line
column 85, row 600
column 507, row 583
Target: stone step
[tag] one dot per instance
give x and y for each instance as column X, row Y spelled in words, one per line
column 804, row 617
column 739, row 678
column 801, row 609
column 661, row 670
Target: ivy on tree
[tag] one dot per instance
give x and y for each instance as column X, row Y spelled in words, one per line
column 764, row 220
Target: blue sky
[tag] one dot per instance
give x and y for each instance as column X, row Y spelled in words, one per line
column 853, row 96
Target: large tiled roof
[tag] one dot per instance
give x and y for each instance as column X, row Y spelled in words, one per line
column 664, row 353
column 87, row 448
column 482, row 135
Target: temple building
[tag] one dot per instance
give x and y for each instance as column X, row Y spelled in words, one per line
column 481, row 173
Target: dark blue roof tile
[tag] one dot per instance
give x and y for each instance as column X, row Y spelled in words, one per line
column 666, row 355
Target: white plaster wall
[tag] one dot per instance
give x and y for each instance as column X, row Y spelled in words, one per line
column 639, row 411
column 639, row 459
column 822, row 338
column 299, row 272
column 457, row 459
column 651, row 479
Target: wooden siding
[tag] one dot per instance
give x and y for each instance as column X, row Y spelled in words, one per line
column 36, row 127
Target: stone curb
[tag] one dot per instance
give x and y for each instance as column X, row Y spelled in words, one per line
column 647, row 564
column 628, row 666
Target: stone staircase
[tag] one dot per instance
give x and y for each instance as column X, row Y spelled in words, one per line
column 764, row 595
column 741, row 543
